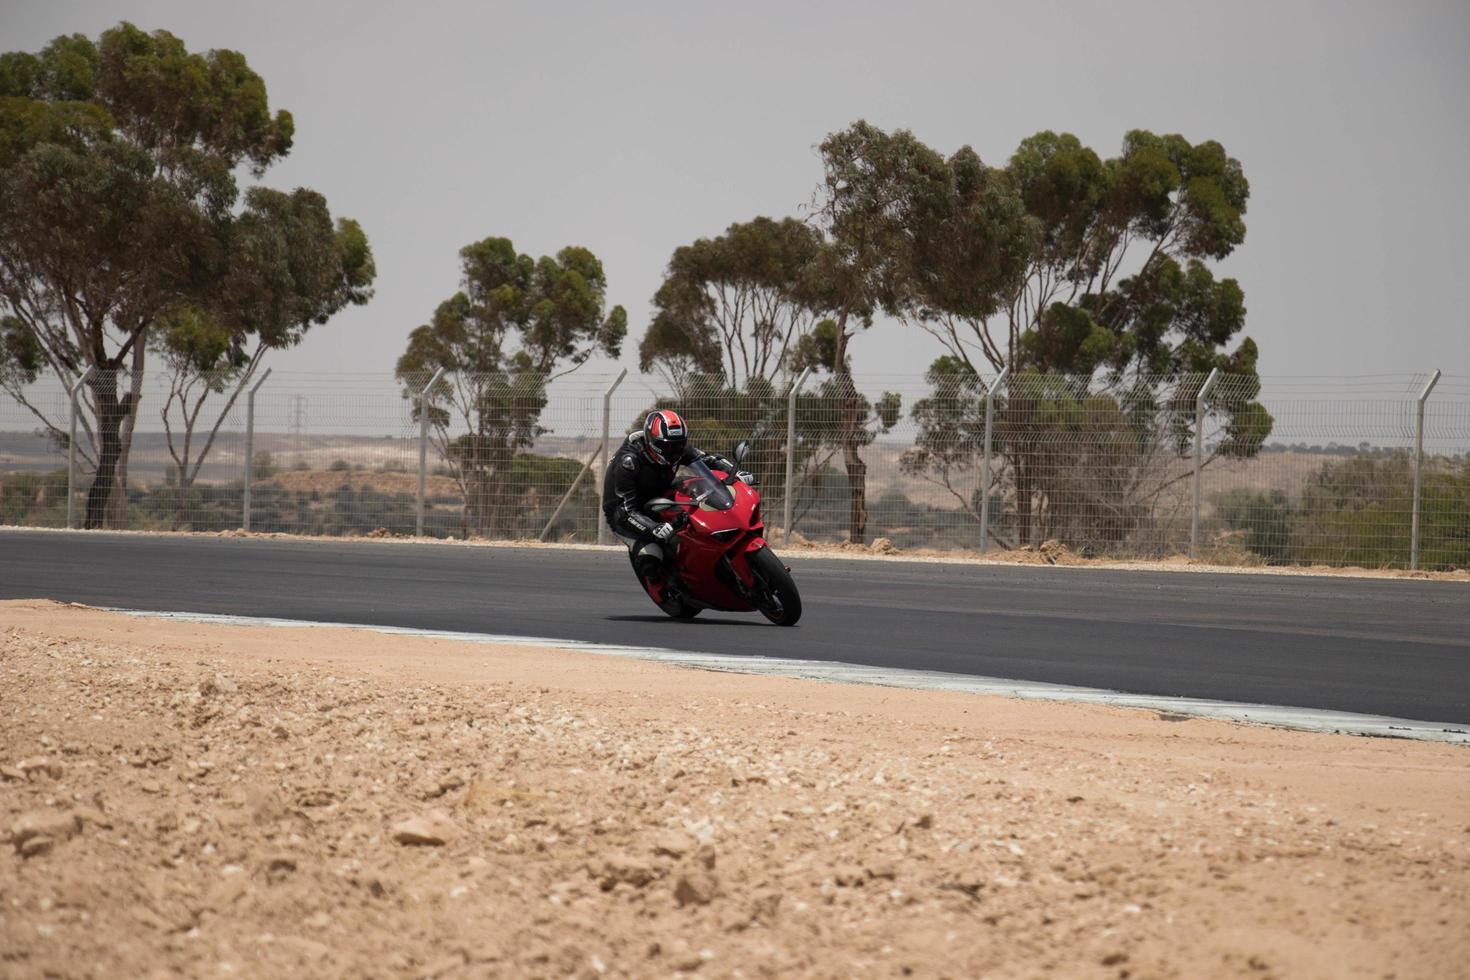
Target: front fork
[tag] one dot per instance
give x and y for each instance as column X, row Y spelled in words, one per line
column 730, row 576
column 730, row 579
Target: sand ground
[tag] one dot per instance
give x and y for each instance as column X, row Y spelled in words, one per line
column 179, row 799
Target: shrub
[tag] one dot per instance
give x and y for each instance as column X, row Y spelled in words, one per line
column 1358, row 510
column 1265, row 518
column 33, row 498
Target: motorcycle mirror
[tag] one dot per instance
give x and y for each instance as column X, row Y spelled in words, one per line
column 742, row 450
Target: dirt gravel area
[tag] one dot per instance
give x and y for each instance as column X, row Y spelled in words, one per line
column 182, row 799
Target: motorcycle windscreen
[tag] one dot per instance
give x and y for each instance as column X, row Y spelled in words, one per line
column 700, row 483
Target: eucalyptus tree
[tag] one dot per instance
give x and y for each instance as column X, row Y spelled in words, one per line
column 1112, row 273
column 118, row 194
column 1113, row 281
column 290, row 267
column 864, row 205
column 880, row 196
column 734, row 306
column 516, row 324
column 736, row 319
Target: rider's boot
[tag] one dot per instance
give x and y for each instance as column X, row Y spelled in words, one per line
column 650, row 567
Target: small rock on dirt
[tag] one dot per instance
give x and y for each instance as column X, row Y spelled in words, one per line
column 764, row 905
column 696, row 888
column 38, row 831
column 41, row 767
column 625, row 869
column 431, row 829
column 36, row 846
column 218, row 684
column 674, row 844
column 278, row 867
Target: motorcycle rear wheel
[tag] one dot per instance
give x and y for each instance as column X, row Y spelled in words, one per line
column 673, row 606
column 778, row 600
column 678, row 609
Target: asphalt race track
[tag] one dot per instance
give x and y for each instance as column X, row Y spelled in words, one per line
column 1389, row 647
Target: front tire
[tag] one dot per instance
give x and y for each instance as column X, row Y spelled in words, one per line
column 778, row 600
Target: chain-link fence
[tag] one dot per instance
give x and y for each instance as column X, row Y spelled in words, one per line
column 1229, row 468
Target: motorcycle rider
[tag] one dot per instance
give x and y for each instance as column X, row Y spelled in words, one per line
column 642, row 469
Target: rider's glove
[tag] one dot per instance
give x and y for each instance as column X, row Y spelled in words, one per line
column 663, row 532
column 746, row 477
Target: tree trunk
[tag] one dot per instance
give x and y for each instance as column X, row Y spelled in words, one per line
column 1024, row 490
column 181, row 500
column 117, row 503
column 857, row 470
column 857, row 482
column 110, row 414
column 477, row 494
column 499, row 504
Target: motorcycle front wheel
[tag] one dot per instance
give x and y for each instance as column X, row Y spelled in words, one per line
column 777, row 598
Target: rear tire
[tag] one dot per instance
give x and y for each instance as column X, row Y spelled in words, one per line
column 678, row 609
column 780, row 602
column 673, row 606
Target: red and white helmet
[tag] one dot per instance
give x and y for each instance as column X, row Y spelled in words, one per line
column 665, row 437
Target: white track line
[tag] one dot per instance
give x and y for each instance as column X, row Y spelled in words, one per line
column 1305, row 719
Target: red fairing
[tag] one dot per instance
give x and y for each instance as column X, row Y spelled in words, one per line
column 721, row 559
column 712, row 535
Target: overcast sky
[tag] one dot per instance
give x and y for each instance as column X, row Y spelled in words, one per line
column 633, row 128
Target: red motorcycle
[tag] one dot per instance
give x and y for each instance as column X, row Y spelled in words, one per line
column 721, row 562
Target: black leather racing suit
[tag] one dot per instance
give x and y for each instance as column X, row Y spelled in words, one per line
column 633, row 480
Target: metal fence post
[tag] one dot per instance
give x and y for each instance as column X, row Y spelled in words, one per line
column 1418, row 468
column 561, row 505
column 424, row 447
column 791, row 453
column 985, row 460
column 604, row 533
column 71, row 450
column 250, row 448
column 1199, row 453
